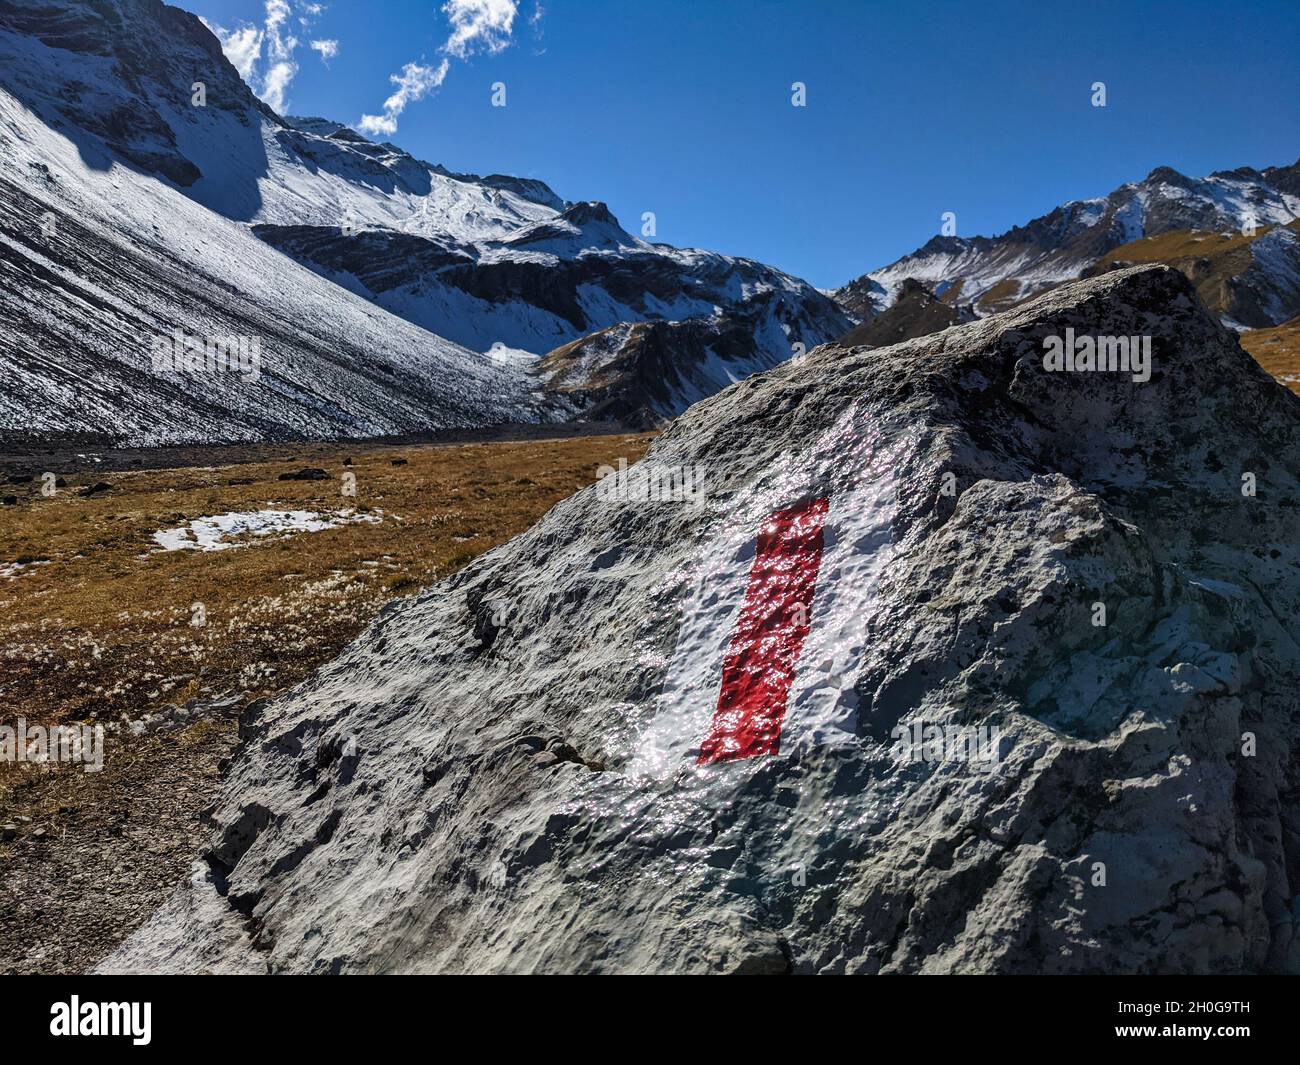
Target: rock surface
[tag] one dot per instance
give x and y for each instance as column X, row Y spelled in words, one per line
column 99, row 852
column 503, row 773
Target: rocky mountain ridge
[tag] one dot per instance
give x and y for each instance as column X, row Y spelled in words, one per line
column 993, row 273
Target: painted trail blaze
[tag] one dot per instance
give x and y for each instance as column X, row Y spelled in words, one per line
column 769, row 635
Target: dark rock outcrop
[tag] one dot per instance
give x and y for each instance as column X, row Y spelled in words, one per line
column 916, row 312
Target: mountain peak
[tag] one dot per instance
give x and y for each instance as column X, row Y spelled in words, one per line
column 322, row 127
column 590, row 212
column 939, row 244
column 1167, row 175
column 994, row 273
column 584, row 226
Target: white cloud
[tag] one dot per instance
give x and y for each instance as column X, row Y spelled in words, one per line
column 276, row 84
column 277, row 14
column 279, row 51
column 414, row 83
column 377, row 125
column 476, row 26
column 244, row 46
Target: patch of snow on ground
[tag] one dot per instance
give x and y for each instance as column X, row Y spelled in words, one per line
column 13, row 570
column 219, row 532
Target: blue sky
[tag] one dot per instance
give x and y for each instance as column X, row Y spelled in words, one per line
column 683, row 107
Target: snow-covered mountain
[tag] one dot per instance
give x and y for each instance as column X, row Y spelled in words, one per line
column 645, row 373
column 119, row 77
column 555, row 279
column 133, row 150
column 993, row 273
column 122, row 226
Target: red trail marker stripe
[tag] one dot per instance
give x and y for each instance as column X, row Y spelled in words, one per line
column 769, row 635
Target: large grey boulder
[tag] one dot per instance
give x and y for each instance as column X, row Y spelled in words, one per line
column 504, row 774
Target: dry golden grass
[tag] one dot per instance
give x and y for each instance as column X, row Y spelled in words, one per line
column 1181, row 244
column 1278, row 351
column 98, row 623
column 1209, row 260
column 952, row 294
column 1002, row 296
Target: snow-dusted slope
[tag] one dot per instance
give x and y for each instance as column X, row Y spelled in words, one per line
column 1252, row 281
column 107, row 245
column 95, row 267
column 996, row 272
column 154, row 145
column 1274, row 273
column 558, row 280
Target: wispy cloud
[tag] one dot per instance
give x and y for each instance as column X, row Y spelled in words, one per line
column 476, row 26
column 264, row 55
column 413, row 83
column 327, row 49
column 535, row 20
column 243, row 47
column 279, row 53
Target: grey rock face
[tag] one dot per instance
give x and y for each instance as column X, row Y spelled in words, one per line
column 646, row 373
column 504, row 774
column 126, row 36
column 916, row 312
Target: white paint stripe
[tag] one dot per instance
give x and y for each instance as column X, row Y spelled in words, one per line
column 821, row 708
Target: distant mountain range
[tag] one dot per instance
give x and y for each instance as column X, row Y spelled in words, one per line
column 1252, row 281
